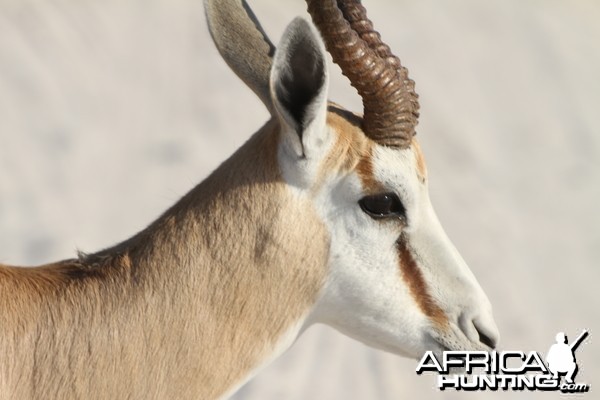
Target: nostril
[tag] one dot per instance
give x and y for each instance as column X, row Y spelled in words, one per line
column 479, row 329
column 485, row 339
column 487, row 334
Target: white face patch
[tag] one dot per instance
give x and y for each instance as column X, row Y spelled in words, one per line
column 401, row 287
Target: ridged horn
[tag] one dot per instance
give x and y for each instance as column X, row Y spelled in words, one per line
column 390, row 103
column 243, row 44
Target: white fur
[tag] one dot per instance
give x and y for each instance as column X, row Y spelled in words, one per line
column 365, row 295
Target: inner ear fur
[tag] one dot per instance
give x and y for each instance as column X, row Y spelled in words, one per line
column 299, row 76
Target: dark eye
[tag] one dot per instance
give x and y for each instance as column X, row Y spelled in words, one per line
column 382, row 205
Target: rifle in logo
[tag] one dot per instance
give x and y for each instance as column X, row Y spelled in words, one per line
column 508, row 369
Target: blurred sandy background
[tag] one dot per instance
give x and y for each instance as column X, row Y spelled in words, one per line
column 111, row 110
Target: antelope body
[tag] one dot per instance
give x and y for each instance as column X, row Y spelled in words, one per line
column 323, row 216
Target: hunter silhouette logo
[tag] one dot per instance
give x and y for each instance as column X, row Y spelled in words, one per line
column 508, row 370
column 561, row 356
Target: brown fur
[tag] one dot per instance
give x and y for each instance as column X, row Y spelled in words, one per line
column 184, row 309
column 417, row 286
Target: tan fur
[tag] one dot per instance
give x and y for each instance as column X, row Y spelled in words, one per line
column 242, row 43
column 189, row 306
column 185, row 309
column 352, row 151
column 421, row 166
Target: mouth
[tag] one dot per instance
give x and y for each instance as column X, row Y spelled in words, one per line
column 453, row 339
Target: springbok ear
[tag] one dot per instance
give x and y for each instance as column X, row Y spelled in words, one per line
column 299, row 81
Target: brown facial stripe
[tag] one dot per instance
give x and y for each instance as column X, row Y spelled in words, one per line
column 416, row 284
column 364, row 169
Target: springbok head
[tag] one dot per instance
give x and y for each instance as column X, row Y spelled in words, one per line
column 394, row 280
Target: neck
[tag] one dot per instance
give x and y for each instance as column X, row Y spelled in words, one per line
column 241, row 239
column 212, row 290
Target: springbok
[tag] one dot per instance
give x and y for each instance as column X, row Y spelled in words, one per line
column 323, row 216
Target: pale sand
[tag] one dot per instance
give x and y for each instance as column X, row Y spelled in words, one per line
column 111, row 110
